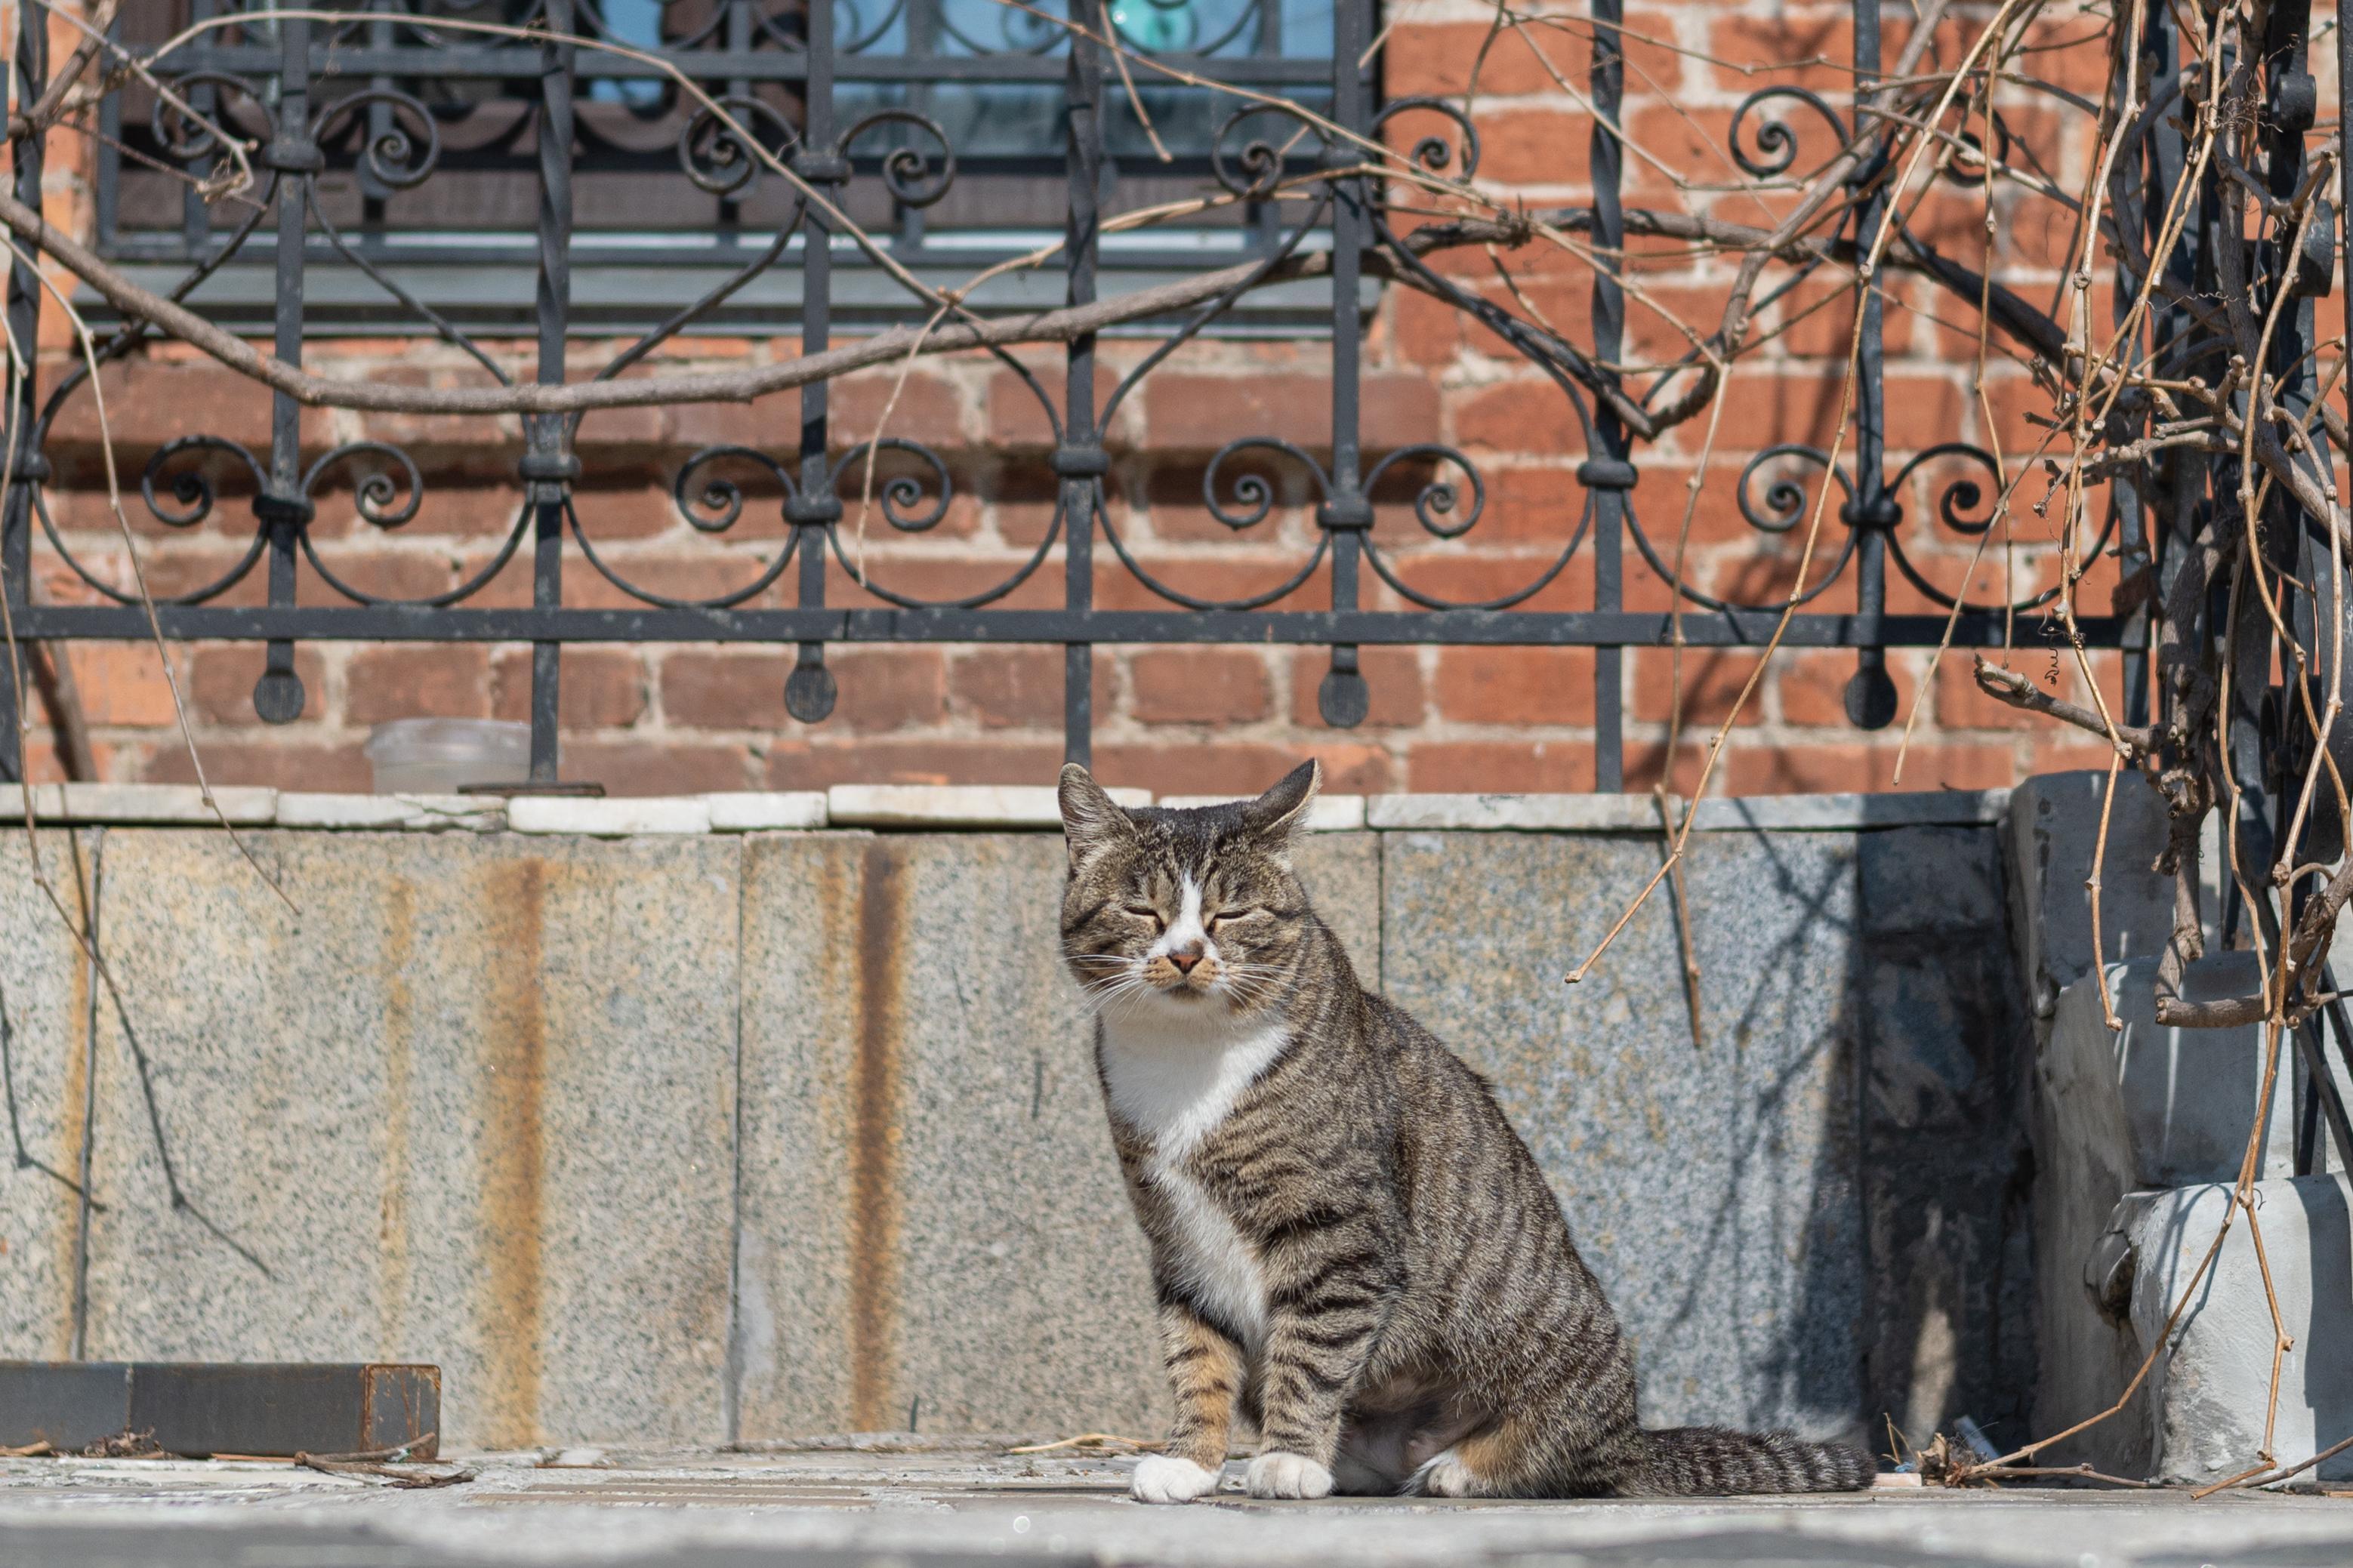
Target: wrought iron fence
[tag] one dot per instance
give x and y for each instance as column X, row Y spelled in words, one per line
column 351, row 109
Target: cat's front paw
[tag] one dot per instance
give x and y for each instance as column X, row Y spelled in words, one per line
column 1444, row 1475
column 1288, row 1475
column 1164, row 1477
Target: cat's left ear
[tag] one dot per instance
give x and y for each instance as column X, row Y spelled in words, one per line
column 1276, row 815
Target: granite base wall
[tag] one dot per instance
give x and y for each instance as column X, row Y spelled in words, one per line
column 702, row 1139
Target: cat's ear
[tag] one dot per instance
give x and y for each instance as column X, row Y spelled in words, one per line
column 1276, row 815
column 1092, row 820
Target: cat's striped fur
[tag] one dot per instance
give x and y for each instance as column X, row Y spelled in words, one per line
column 1351, row 1246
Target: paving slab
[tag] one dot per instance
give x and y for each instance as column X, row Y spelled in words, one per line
column 457, row 1100
column 884, row 1506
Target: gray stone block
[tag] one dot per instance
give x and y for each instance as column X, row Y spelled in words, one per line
column 468, row 1101
column 2177, row 1105
column 43, row 987
column 2210, row 1394
column 1712, row 1187
column 1926, row 881
column 2054, row 831
column 934, row 1229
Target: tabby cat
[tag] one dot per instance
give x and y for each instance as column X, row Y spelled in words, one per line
column 1351, row 1246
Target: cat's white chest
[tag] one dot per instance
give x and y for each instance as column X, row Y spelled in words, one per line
column 1175, row 1085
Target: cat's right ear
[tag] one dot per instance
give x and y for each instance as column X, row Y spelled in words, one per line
column 1092, row 820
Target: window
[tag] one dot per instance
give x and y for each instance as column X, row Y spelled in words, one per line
column 429, row 184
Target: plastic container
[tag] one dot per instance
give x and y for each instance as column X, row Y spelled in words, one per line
column 441, row 756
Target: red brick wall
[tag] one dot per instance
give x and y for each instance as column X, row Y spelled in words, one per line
column 1186, row 720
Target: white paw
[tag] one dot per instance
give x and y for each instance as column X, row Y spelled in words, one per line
column 1288, row 1475
column 1163, row 1477
column 1443, row 1475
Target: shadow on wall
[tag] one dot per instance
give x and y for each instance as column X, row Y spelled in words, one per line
column 1814, row 1216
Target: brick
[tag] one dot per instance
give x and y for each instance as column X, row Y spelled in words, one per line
column 695, row 571
column 1188, row 413
column 1661, row 320
column 887, row 689
column 1811, row 47
column 1825, row 769
column 876, row 689
column 396, row 680
column 1527, row 415
column 609, row 513
column 596, row 688
column 221, row 679
column 1812, row 684
column 1455, row 577
column 1021, row 688
column 122, row 683
column 1435, row 59
column 817, row 763
column 1501, row 766
column 1544, row 145
column 1392, row 674
column 928, row 409
column 1427, row 331
column 658, row 767
column 255, row 760
column 1234, row 768
column 1197, row 686
column 388, row 574
column 1016, row 420
column 1516, row 686
column 1712, row 682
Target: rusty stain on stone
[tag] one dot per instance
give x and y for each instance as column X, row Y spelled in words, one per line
column 67, row 1153
column 513, row 1085
column 873, row 1144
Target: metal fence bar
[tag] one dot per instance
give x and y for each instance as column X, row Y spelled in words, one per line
column 1606, row 474
column 550, row 466
column 284, row 507
column 1080, row 461
column 1871, row 511
column 1343, row 699
column 810, row 505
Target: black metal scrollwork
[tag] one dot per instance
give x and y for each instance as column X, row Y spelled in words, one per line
column 1775, row 142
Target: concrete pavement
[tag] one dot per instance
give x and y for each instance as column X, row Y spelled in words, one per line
column 948, row 1506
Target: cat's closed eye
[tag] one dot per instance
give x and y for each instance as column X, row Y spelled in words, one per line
column 1143, row 913
column 1228, row 917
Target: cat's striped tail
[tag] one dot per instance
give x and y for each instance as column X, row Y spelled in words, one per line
column 1716, row 1461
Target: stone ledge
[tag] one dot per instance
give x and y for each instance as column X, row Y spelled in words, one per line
column 1330, row 814
column 157, row 804
column 620, row 818
column 1637, row 814
column 954, row 806
column 392, row 813
column 767, row 810
column 929, row 806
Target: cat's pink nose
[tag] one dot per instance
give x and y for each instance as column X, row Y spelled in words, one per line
column 1185, row 958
